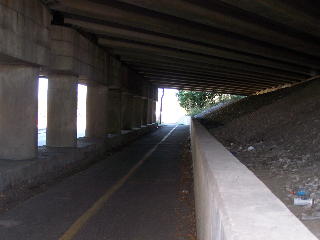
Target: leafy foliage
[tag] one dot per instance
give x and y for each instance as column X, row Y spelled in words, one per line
column 196, row 102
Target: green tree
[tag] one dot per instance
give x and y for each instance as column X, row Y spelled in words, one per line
column 196, row 102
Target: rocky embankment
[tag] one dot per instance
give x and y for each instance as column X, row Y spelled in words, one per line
column 277, row 136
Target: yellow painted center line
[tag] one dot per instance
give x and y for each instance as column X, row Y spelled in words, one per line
column 84, row 218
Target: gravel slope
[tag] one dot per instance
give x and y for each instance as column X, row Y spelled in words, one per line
column 277, row 136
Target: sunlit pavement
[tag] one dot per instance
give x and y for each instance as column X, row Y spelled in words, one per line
column 41, row 137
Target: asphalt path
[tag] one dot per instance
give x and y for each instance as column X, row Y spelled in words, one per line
column 131, row 195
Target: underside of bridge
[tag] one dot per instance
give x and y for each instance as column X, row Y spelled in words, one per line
column 226, row 46
column 124, row 51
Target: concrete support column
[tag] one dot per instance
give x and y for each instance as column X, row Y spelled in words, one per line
column 150, row 107
column 138, row 108
column 18, row 112
column 127, row 108
column 154, row 109
column 145, row 111
column 96, row 111
column 114, row 111
column 62, row 110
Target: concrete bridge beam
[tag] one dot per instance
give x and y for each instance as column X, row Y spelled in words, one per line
column 62, row 110
column 18, row 112
column 24, row 33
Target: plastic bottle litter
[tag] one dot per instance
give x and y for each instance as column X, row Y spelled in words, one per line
column 302, row 202
column 302, row 197
column 251, row 148
column 302, row 193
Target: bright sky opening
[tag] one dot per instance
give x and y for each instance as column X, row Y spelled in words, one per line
column 172, row 112
column 42, row 110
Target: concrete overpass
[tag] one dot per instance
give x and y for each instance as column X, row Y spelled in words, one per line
column 32, row 45
column 127, row 48
column 123, row 51
column 225, row 46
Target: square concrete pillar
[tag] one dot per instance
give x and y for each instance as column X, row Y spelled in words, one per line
column 18, row 112
column 154, row 109
column 62, row 110
column 127, row 105
column 96, row 111
column 145, row 111
column 150, row 107
column 114, row 111
column 138, row 108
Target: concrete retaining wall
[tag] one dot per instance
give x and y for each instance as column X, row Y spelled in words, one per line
column 231, row 202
